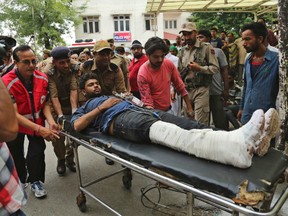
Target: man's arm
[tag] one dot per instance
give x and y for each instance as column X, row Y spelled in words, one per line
column 190, row 112
column 223, row 64
column 124, row 68
column 74, row 100
column 46, row 133
column 224, row 75
column 8, row 120
column 145, row 91
column 57, row 106
column 49, row 118
column 73, row 93
column 239, row 114
column 180, row 63
column 120, row 83
column 54, row 97
column 84, row 120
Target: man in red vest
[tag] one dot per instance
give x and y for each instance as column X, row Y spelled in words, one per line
column 28, row 89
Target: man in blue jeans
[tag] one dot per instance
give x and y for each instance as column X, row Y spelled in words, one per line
column 119, row 117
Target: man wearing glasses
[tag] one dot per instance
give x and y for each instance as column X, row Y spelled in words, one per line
column 29, row 90
column 200, row 63
column 109, row 75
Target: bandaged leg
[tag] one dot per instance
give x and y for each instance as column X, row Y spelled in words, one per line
column 221, row 146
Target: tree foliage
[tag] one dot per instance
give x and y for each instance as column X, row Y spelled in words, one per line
column 41, row 20
column 229, row 22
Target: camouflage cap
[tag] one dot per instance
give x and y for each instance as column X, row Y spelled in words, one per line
column 46, row 51
column 110, row 40
column 188, row 27
column 101, row 45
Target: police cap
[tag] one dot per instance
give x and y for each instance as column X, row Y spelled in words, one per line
column 61, row 52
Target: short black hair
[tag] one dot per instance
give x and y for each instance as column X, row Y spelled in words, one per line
column 260, row 18
column 214, row 28
column 120, row 50
column 84, row 78
column 258, row 29
column 231, row 34
column 206, row 33
column 155, row 43
column 223, row 32
column 20, row 48
column 167, row 42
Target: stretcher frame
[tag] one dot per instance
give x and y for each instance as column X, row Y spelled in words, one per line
column 191, row 192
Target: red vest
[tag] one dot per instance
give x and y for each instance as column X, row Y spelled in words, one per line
column 22, row 98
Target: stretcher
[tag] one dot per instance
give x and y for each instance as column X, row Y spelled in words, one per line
column 248, row 191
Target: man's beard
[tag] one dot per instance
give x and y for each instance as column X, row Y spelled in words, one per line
column 190, row 42
column 92, row 95
column 156, row 65
column 138, row 55
column 253, row 48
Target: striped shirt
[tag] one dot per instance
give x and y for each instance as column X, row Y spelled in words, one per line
column 12, row 195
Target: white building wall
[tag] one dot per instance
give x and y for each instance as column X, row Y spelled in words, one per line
column 136, row 9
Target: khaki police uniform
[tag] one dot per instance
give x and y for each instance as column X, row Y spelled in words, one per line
column 60, row 85
column 110, row 79
column 41, row 65
column 121, row 62
column 197, row 83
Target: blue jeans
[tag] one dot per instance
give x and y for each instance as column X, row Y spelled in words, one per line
column 134, row 124
column 18, row 213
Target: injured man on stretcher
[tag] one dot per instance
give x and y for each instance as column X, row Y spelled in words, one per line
column 121, row 118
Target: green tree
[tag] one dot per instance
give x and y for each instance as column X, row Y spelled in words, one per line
column 229, row 22
column 41, row 20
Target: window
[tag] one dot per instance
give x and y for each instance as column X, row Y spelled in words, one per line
column 170, row 24
column 91, row 24
column 150, row 22
column 121, row 23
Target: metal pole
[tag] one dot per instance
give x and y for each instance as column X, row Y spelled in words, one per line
column 190, row 203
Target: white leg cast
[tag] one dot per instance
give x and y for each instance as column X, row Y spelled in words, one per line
column 220, row 146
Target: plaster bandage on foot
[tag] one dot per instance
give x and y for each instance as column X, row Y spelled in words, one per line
column 220, row 146
column 271, row 129
column 252, row 130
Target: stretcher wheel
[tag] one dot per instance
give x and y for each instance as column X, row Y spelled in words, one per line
column 81, row 202
column 127, row 179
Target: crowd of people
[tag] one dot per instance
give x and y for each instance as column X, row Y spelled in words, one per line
column 179, row 85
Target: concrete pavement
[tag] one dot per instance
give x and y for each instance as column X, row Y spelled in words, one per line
column 62, row 192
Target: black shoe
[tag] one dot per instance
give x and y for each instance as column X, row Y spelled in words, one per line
column 109, row 162
column 71, row 166
column 61, row 169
